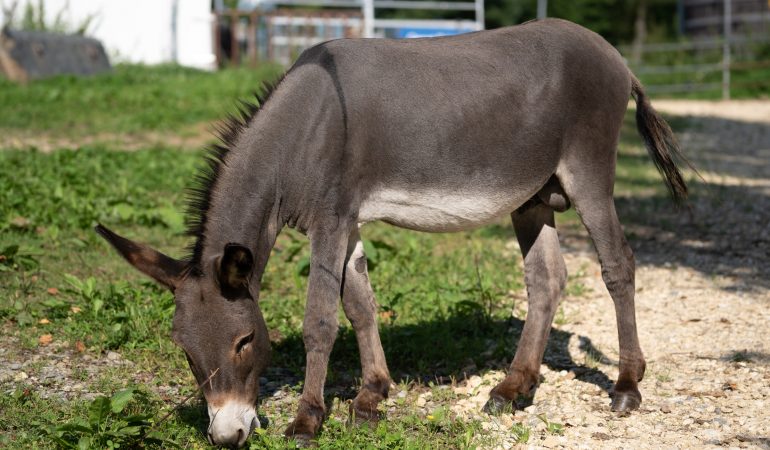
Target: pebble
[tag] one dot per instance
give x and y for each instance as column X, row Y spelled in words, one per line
column 21, row 376
column 14, row 366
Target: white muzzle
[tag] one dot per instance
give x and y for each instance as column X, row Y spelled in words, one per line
column 231, row 424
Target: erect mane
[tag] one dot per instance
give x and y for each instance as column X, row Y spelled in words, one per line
column 200, row 192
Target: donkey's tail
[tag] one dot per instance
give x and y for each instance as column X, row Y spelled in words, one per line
column 661, row 144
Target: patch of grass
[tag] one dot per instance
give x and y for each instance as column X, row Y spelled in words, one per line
column 520, row 432
column 131, row 99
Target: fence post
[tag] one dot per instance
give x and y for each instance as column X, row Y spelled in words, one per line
column 542, row 9
column 728, row 25
column 368, row 7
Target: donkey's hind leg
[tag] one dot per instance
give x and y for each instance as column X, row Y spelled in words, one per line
column 360, row 308
column 591, row 193
column 545, row 275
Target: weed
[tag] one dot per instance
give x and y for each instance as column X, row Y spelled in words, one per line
column 14, row 257
column 551, row 427
column 520, row 433
column 106, row 426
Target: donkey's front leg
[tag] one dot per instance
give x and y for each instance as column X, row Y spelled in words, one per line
column 545, row 275
column 320, row 326
column 361, row 309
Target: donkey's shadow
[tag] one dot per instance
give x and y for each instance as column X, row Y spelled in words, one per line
column 440, row 351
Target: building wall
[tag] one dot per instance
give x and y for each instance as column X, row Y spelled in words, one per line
column 142, row 31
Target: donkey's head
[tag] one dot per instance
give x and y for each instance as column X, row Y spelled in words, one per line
column 219, row 326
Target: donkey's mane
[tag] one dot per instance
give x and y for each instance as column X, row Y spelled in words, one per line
column 200, row 192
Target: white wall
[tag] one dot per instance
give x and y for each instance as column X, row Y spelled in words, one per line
column 141, row 31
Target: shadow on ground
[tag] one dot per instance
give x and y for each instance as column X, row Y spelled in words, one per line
column 725, row 229
column 451, row 349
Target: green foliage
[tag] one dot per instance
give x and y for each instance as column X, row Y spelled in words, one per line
column 613, row 19
column 75, row 189
column 520, row 433
column 34, row 18
column 551, row 427
column 107, row 427
column 121, row 315
column 14, row 257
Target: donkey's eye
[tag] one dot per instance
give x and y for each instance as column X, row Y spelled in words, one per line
column 243, row 342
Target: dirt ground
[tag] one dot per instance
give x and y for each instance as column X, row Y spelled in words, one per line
column 703, row 308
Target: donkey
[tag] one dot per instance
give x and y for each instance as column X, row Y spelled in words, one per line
column 440, row 134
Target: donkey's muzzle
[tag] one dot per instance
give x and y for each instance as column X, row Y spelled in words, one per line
column 231, row 424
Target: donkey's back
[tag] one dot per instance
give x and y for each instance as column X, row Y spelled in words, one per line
column 449, row 133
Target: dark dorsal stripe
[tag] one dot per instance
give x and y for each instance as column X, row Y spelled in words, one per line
column 199, row 193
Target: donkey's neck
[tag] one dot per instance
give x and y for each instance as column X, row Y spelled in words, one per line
column 275, row 167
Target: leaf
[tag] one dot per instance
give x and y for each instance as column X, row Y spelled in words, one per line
column 303, row 267
column 370, row 250
column 45, row 339
column 124, row 211
column 52, row 291
column 73, row 427
column 171, row 218
column 134, row 430
column 84, row 443
column 120, row 399
column 98, row 411
column 9, row 252
column 73, row 281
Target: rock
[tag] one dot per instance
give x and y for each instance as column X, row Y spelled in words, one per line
column 665, row 409
column 550, row 442
column 14, row 366
column 113, row 356
column 21, row 376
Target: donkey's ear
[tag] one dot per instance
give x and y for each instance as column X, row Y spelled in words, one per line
column 234, row 271
column 163, row 269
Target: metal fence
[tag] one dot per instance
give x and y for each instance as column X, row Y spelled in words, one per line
column 281, row 35
column 716, row 62
column 701, row 66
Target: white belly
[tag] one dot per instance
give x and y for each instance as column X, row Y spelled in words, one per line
column 434, row 210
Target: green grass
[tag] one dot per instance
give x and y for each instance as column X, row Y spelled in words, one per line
column 445, row 299
column 132, row 99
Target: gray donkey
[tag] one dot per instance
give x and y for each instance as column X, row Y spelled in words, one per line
column 439, row 134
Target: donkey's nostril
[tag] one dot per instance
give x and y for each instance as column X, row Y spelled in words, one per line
column 240, row 436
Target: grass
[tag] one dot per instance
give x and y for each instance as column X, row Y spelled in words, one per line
column 131, row 99
column 445, row 299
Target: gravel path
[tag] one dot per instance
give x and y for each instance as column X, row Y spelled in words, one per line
column 703, row 305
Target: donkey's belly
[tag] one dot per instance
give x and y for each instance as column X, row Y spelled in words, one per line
column 438, row 210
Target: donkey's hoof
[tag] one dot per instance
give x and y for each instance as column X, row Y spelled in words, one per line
column 303, row 438
column 359, row 416
column 497, row 405
column 626, row 401
column 304, row 441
